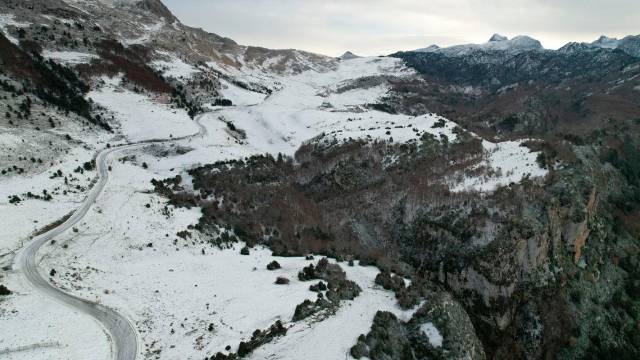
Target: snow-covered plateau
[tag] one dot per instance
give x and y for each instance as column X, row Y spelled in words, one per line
column 187, row 299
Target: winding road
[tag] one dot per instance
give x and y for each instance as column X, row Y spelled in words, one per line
column 123, row 336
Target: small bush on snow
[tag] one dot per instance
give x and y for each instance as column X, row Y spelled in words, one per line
column 4, row 291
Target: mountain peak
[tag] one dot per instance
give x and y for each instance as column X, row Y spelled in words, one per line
column 606, row 42
column 348, row 56
column 156, row 7
column 498, row 37
column 517, row 44
column 429, row 48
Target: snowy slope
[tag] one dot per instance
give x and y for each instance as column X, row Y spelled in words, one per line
column 333, row 337
column 165, row 284
column 174, row 286
column 69, row 57
column 175, row 68
column 36, row 327
column 139, row 116
column 240, row 96
column 58, row 154
column 509, row 162
column 7, row 20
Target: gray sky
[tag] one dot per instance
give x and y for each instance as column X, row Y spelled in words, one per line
column 373, row 27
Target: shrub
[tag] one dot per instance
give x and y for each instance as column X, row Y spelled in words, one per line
column 389, row 282
column 260, row 337
column 223, row 102
column 320, row 286
column 89, row 165
column 308, row 308
column 303, row 310
column 307, row 273
column 359, row 350
column 4, row 291
column 244, row 251
column 273, row 265
column 440, row 123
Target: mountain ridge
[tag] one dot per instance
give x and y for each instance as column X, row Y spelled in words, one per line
column 630, row 44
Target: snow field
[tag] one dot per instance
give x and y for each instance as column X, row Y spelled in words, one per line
column 69, row 57
column 36, row 327
column 21, row 220
column 175, row 68
column 510, row 162
column 333, row 337
column 8, row 20
column 309, row 104
column 432, row 332
column 169, row 287
column 240, row 96
column 140, row 117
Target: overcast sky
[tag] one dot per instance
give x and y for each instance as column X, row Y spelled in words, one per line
column 374, row 27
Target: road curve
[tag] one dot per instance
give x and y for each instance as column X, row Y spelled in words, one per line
column 123, row 336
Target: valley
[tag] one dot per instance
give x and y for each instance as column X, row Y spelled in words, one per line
column 169, row 194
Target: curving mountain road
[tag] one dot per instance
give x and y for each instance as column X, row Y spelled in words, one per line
column 123, row 336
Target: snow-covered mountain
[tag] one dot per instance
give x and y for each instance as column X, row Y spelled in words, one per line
column 348, row 56
column 150, row 23
column 187, row 182
column 629, row 44
column 500, row 46
column 606, row 42
column 430, row 48
column 496, row 43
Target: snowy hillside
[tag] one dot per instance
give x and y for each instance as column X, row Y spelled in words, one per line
column 103, row 100
column 164, row 283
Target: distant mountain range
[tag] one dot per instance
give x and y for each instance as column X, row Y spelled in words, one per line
column 519, row 44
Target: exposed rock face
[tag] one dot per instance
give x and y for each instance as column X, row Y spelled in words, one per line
column 446, row 314
column 630, row 45
column 391, row 338
column 583, row 229
column 158, row 8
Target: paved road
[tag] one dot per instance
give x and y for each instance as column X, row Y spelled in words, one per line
column 123, row 336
